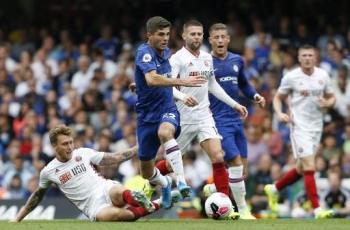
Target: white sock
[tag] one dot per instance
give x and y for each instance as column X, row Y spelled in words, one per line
column 158, row 179
column 317, row 210
column 174, row 157
column 237, row 186
column 274, row 189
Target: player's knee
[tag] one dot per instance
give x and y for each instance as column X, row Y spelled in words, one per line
column 217, row 156
column 165, row 134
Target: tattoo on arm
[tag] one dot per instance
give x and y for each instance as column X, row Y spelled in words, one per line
column 35, row 199
column 116, row 158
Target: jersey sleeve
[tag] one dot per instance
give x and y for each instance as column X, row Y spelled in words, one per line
column 329, row 87
column 44, row 181
column 145, row 61
column 243, row 83
column 92, row 155
column 286, row 85
column 175, row 66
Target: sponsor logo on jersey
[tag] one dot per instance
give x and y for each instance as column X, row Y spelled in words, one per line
column 205, row 73
column 146, row 57
column 78, row 169
column 65, row 177
column 228, row 78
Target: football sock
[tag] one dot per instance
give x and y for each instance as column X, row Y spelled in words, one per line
column 221, row 178
column 158, row 179
column 237, row 185
column 310, row 187
column 289, row 178
column 140, row 211
column 127, row 197
column 174, row 157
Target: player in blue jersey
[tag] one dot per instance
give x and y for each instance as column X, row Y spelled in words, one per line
column 229, row 73
column 157, row 115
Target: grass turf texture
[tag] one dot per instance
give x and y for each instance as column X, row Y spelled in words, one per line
column 184, row 224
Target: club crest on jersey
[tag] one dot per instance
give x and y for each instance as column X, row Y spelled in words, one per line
column 320, row 82
column 78, row 158
column 206, row 63
column 235, row 68
column 146, row 57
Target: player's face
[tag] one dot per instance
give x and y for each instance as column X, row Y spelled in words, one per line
column 64, row 147
column 219, row 40
column 159, row 39
column 193, row 37
column 307, row 58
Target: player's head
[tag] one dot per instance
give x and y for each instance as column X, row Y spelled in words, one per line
column 158, row 32
column 193, row 34
column 219, row 39
column 307, row 56
column 61, row 138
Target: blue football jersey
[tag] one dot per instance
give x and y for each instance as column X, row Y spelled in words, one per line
column 152, row 102
column 229, row 73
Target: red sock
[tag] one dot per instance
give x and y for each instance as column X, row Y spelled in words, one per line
column 163, row 169
column 289, row 178
column 127, row 197
column 310, row 187
column 221, row 178
column 140, row 211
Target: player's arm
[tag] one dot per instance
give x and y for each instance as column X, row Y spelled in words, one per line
column 157, row 80
column 277, row 105
column 186, row 99
column 327, row 101
column 248, row 90
column 118, row 157
column 31, row 203
column 219, row 92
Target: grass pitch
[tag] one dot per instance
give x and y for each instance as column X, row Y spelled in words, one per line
column 182, row 224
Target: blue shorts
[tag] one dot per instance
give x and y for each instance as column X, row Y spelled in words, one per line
column 147, row 135
column 234, row 142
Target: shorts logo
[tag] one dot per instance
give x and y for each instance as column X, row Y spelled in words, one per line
column 170, row 116
column 235, row 68
column 146, row 57
column 300, row 150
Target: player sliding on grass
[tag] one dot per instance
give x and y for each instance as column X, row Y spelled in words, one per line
column 96, row 197
column 311, row 93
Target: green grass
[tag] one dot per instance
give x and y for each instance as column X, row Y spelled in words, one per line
column 183, row 224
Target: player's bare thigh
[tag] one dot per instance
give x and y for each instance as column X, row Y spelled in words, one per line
column 116, row 195
column 111, row 213
column 212, row 147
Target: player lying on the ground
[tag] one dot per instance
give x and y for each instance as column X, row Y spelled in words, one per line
column 98, row 198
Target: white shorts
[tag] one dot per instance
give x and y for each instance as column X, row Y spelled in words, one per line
column 304, row 143
column 204, row 130
column 100, row 199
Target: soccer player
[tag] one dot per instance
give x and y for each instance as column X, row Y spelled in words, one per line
column 229, row 73
column 157, row 116
column 96, row 197
column 197, row 121
column 309, row 88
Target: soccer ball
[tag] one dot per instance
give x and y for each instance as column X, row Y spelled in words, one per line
column 218, row 206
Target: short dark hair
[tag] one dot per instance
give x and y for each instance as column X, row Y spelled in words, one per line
column 156, row 23
column 306, row 47
column 192, row 22
column 217, row 26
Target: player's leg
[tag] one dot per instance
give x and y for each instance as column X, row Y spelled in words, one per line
column 111, row 213
column 213, row 148
column 289, row 178
column 167, row 132
column 149, row 143
column 120, row 196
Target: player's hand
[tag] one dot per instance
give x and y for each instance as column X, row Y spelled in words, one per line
column 242, row 110
column 260, row 100
column 283, row 117
column 190, row 101
column 195, row 81
column 132, row 87
column 323, row 103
